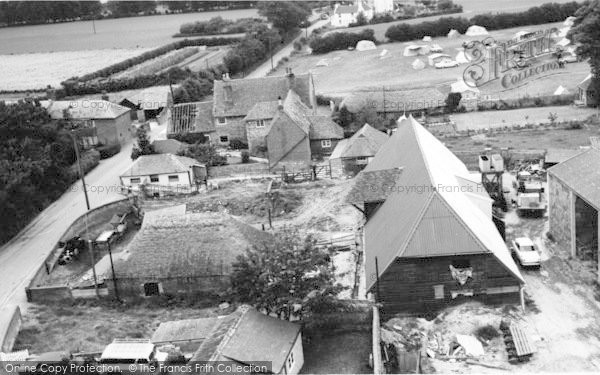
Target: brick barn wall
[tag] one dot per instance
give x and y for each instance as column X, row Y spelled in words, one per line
column 559, row 211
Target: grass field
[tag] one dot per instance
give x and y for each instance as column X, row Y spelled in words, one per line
column 349, row 70
column 338, row 353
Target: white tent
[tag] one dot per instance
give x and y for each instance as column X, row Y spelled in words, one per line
column 424, row 49
column 436, row 57
column 383, row 53
column 476, row 31
column 436, row 48
column 563, row 42
column 427, row 38
column 365, row 45
column 418, row 64
column 569, row 21
column 462, row 58
column 323, row 62
column 560, row 90
column 453, row 34
column 412, row 50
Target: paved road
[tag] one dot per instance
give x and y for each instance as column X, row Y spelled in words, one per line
column 21, row 257
column 265, row 68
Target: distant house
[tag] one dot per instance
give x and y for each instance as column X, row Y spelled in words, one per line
column 469, row 95
column 429, row 236
column 96, row 121
column 169, row 146
column 586, row 93
column 296, row 137
column 192, row 118
column 393, row 103
column 352, row 155
column 164, row 173
column 235, row 99
column 248, row 337
column 344, row 15
column 381, row 6
column 181, row 253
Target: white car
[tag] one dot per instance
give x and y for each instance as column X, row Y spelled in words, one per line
column 446, row 64
column 525, row 251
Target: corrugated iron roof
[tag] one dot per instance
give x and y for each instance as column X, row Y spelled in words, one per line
column 427, row 214
column 581, row 173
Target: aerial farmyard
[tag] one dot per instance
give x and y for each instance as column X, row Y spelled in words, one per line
column 287, row 187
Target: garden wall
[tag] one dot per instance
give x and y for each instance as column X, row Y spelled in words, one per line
column 239, row 170
column 10, row 323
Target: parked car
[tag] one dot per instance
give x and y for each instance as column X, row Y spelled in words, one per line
column 525, row 251
column 446, row 64
column 70, row 250
column 569, row 58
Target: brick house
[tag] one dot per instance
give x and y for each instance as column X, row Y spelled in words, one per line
column 99, row 121
column 235, row 99
column 429, row 238
column 296, row 137
column 176, row 252
column 586, row 92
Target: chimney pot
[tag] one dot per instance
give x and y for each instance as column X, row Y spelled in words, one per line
column 279, row 103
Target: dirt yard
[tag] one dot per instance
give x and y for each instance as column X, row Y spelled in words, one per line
column 88, row 326
column 350, row 70
column 339, row 353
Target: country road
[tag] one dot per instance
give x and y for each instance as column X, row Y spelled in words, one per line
column 22, row 256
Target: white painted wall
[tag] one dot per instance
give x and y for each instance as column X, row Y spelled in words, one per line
column 163, row 180
column 297, row 353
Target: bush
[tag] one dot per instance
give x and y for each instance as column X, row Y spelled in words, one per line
column 487, row 333
column 340, row 40
column 550, row 12
column 237, row 144
column 245, row 157
column 217, row 25
column 107, row 151
column 88, row 159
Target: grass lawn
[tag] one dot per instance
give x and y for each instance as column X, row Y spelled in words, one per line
column 338, row 353
column 88, row 326
column 350, row 70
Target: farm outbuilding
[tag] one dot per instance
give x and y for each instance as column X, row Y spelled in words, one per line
column 352, row 155
column 574, row 201
column 429, row 238
column 586, row 92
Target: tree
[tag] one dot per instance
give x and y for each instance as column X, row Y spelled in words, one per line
column 143, row 146
column 285, row 276
column 361, row 20
column 453, row 101
column 284, row 15
column 586, row 33
column 205, row 153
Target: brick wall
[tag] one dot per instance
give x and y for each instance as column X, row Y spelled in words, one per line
column 559, row 211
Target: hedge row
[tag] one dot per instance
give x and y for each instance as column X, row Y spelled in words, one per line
column 88, row 159
column 546, row 13
column 126, row 64
column 340, row 40
column 106, row 151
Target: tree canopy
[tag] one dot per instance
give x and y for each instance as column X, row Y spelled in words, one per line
column 285, row 276
column 284, row 15
column 586, row 32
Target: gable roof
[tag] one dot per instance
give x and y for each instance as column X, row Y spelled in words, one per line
column 558, row 155
column 85, row 109
column 191, row 118
column 248, row 336
column 160, row 164
column 262, row 111
column 173, row 245
column 323, row 127
column 427, row 214
column 585, row 84
column 168, row 146
column 183, row 330
column 395, row 100
column 364, row 143
column 238, row 96
column 371, row 186
column 581, row 173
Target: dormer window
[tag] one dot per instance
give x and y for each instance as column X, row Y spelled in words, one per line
column 222, row 120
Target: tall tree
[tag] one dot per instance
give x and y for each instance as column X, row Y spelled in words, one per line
column 143, row 145
column 285, row 276
column 586, row 33
column 284, row 15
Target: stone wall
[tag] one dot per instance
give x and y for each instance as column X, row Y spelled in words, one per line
column 257, row 135
column 235, row 128
column 559, row 211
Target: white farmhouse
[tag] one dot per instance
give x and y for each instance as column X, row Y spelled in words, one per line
column 344, row 15
column 163, row 173
column 382, row 6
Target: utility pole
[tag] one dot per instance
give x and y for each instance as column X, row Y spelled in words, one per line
column 112, row 267
column 271, row 53
column 94, row 25
column 87, row 203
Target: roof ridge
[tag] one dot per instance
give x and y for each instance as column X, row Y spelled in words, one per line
column 412, row 121
column 244, row 309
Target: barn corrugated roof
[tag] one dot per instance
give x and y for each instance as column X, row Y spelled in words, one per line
column 582, row 174
column 191, row 118
column 427, row 214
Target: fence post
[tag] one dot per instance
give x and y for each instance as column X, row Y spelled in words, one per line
column 377, row 365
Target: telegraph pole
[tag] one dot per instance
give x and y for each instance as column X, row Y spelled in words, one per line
column 112, row 267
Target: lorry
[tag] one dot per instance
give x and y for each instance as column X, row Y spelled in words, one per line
column 531, row 199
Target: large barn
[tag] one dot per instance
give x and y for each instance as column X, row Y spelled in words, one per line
column 429, row 237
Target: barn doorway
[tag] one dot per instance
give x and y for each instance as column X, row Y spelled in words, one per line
column 586, row 230
column 151, row 289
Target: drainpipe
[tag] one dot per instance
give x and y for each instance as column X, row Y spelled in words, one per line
column 522, row 295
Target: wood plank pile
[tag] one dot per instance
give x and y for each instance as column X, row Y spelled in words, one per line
column 518, row 345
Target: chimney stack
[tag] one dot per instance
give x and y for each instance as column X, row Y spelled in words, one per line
column 279, row 103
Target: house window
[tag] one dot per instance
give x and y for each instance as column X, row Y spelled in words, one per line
column 154, row 178
column 290, row 360
column 134, row 180
column 173, row 178
column 261, row 123
column 224, row 138
column 221, row 120
column 326, row 143
column 438, row 291
column 151, row 289
column 361, row 160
